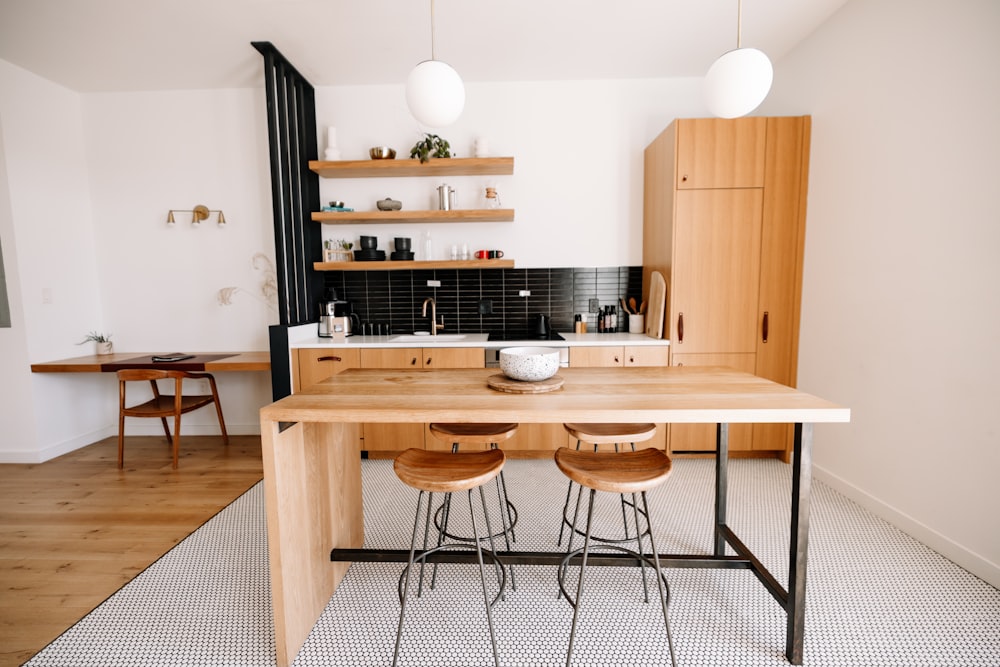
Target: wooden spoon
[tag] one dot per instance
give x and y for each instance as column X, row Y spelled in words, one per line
column 632, row 307
column 642, row 308
column 621, row 300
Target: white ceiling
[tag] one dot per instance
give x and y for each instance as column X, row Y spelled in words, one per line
column 134, row 45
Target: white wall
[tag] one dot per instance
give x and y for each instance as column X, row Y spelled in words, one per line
column 577, row 147
column 48, row 246
column 901, row 305
column 91, row 179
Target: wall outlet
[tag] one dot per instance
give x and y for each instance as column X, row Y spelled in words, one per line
column 434, row 283
column 524, row 292
column 595, row 305
column 486, row 306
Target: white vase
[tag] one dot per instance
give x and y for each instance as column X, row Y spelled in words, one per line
column 104, row 348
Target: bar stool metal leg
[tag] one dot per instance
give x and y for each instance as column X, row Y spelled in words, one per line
column 583, row 572
column 482, row 571
column 406, row 584
column 660, row 586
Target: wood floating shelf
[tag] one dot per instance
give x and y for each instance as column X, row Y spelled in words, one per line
column 452, row 166
column 459, row 215
column 415, row 265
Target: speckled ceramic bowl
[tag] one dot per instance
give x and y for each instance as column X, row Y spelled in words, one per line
column 529, row 364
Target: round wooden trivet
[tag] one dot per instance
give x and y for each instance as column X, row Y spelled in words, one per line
column 503, row 383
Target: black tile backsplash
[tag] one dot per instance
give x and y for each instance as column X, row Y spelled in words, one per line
column 395, row 297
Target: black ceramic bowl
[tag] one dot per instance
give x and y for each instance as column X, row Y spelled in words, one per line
column 369, row 242
column 402, row 243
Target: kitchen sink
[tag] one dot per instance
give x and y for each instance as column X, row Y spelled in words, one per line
column 440, row 338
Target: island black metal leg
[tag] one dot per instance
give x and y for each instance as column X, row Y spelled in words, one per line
column 721, row 485
column 799, row 542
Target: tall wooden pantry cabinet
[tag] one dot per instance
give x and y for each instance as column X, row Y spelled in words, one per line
column 724, row 222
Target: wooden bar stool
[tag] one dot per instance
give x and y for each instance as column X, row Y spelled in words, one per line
column 441, row 472
column 598, row 435
column 477, row 435
column 621, row 473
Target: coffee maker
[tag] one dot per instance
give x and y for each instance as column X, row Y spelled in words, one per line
column 336, row 316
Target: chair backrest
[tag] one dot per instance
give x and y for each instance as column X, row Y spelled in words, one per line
column 130, row 374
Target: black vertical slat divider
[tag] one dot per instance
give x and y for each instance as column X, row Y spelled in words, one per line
column 291, row 124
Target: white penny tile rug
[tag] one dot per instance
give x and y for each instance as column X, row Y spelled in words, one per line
column 875, row 596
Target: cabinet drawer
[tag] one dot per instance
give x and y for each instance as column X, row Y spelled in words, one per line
column 646, row 356
column 392, row 357
column 597, row 357
column 313, row 365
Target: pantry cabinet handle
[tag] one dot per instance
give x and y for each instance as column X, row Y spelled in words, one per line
column 764, row 326
column 426, row 363
column 616, row 360
column 413, row 361
column 680, row 327
column 329, row 359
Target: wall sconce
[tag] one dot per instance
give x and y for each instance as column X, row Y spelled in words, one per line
column 198, row 213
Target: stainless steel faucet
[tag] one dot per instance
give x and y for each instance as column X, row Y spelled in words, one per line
column 434, row 323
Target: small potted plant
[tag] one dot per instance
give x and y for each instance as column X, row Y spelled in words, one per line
column 337, row 251
column 430, row 146
column 102, row 341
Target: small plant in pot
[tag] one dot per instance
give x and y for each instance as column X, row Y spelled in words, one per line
column 102, row 341
column 430, row 146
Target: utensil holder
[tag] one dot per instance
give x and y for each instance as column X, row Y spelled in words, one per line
column 636, row 323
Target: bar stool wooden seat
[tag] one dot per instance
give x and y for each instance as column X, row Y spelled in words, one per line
column 440, row 472
column 599, row 435
column 632, row 472
column 478, row 436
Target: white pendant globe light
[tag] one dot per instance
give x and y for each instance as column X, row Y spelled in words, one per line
column 435, row 93
column 739, row 80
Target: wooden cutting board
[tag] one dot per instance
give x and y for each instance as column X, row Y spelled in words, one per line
column 657, row 305
column 503, row 383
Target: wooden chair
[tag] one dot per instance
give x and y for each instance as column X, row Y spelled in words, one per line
column 164, row 405
column 440, row 472
column 633, row 473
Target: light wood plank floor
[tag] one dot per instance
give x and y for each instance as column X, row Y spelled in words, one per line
column 75, row 529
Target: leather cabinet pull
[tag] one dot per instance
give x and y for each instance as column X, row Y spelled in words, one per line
column 329, row 359
column 764, row 326
column 680, row 327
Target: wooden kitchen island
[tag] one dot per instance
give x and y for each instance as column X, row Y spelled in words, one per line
column 312, row 471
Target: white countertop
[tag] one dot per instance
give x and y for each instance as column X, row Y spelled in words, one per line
column 306, row 335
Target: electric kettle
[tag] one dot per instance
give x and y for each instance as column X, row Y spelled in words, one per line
column 542, row 325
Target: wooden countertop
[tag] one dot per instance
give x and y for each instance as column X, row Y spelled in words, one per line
column 684, row 394
column 95, row 363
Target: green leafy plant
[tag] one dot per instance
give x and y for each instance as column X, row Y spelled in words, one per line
column 346, row 245
column 430, row 146
column 96, row 337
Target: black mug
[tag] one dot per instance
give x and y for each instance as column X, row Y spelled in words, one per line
column 496, row 254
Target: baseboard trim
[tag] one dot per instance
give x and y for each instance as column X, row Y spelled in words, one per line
column 139, row 429
column 981, row 567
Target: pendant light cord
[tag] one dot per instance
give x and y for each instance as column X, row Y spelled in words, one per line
column 432, row 31
column 739, row 23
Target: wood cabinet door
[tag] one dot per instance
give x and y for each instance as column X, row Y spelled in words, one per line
column 454, row 357
column 391, row 437
column 604, row 356
column 701, row 437
column 716, row 271
column 315, row 364
column 720, row 153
